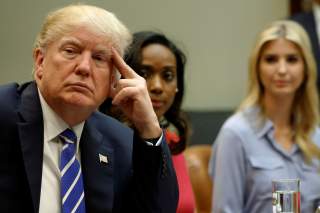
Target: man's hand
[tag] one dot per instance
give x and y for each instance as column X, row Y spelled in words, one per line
column 131, row 95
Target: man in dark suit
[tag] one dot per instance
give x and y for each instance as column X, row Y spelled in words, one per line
column 76, row 55
column 310, row 22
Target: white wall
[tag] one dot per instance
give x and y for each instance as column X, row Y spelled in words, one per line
column 216, row 35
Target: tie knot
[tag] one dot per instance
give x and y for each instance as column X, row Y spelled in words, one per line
column 68, row 136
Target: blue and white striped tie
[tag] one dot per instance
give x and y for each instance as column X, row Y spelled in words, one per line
column 72, row 192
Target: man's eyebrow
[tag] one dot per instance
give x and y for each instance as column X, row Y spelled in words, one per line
column 70, row 40
column 101, row 49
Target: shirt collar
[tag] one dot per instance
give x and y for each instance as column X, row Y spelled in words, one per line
column 264, row 127
column 260, row 125
column 53, row 125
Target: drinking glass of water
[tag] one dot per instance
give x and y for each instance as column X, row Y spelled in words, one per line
column 286, row 196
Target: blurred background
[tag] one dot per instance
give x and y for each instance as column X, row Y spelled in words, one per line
column 216, row 36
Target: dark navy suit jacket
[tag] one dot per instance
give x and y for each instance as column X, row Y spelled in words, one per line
column 137, row 177
column 307, row 20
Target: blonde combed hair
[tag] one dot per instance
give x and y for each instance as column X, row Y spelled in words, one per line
column 305, row 111
column 100, row 21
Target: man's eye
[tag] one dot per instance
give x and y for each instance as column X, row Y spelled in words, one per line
column 69, row 52
column 99, row 58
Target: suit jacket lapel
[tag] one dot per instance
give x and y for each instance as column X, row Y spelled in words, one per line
column 97, row 174
column 30, row 130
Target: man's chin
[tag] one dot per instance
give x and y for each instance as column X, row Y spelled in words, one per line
column 81, row 102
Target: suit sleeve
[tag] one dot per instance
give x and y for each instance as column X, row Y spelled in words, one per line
column 154, row 184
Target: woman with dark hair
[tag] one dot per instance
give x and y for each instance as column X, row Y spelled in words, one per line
column 161, row 63
column 153, row 56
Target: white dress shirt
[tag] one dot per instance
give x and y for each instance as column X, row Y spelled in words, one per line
column 53, row 125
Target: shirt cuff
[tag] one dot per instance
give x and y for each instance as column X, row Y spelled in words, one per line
column 157, row 143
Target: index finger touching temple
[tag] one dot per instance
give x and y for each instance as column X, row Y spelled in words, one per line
column 125, row 70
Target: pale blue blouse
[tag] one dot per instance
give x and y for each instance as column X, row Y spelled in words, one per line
column 246, row 158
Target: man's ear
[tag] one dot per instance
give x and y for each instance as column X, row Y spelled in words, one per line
column 38, row 58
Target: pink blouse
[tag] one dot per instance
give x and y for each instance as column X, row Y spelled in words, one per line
column 186, row 202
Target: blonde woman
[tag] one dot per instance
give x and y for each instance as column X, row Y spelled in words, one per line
column 275, row 133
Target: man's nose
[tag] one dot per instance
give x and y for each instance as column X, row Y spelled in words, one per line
column 84, row 65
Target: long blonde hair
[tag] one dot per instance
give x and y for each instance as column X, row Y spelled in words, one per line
column 305, row 111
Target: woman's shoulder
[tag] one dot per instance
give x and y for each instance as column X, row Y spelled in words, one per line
column 242, row 120
column 245, row 125
column 236, row 119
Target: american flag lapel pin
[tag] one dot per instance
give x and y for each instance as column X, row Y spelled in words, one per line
column 103, row 158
